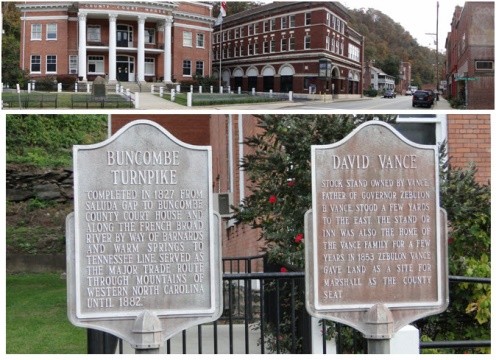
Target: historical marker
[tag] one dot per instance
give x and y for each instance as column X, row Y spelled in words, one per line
column 376, row 231
column 145, row 242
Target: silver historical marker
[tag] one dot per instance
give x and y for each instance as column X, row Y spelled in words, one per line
column 377, row 257
column 143, row 250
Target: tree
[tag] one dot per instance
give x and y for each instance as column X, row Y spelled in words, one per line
column 235, row 7
column 278, row 168
column 11, row 72
column 468, row 205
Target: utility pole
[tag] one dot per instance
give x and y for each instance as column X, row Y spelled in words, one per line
column 437, row 45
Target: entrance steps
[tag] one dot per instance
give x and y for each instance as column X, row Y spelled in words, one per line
column 135, row 87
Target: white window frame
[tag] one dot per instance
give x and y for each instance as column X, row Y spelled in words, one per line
column 51, row 32
column 31, row 64
column 190, row 68
column 307, row 42
column 202, row 67
column 150, row 36
column 150, row 66
column 188, row 39
column 200, row 40
column 291, row 44
column 49, row 61
column 36, row 32
column 484, row 61
column 99, row 62
column 73, row 64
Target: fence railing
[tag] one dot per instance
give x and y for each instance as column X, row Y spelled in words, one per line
column 265, row 313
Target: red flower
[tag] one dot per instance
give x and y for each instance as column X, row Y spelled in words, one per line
column 272, row 199
column 298, row 238
column 451, row 240
column 291, row 183
column 283, row 269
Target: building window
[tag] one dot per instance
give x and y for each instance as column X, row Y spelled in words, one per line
column 272, row 24
column 327, row 43
column 250, row 49
column 35, row 64
column 292, row 43
column 200, row 41
column 484, row 65
column 284, row 22
column 266, row 27
column 199, row 68
column 96, row 65
column 51, row 31
column 93, row 33
column 236, row 33
column 150, row 36
column 292, row 21
column 255, row 49
column 73, row 64
column 308, row 18
column 187, row 67
column 150, row 66
column 307, row 42
column 266, row 47
column 35, row 31
column 272, row 46
column 284, row 44
column 51, row 63
column 188, row 39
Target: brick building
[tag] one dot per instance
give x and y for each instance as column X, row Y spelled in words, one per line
column 377, row 79
column 125, row 41
column 470, row 55
column 469, row 141
column 225, row 133
column 290, row 46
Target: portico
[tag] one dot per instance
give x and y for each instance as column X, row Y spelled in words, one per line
column 149, row 45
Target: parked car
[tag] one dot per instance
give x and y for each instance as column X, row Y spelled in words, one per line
column 389, row 94
column 423, row 98
column 408, row 92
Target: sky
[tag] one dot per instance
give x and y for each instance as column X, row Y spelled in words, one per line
column 418, row 17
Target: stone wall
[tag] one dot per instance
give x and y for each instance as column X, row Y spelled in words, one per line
column 26, row 183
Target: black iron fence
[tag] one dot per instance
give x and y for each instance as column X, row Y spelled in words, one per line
column 264, row 312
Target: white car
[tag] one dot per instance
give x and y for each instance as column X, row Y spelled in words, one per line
column 408, row 92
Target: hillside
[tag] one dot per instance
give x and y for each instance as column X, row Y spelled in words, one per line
column 387, row 43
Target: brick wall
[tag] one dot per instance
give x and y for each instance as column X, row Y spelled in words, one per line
column 469, row 140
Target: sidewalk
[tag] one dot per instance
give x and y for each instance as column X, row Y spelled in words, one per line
column 442, row 104
column 149, row 101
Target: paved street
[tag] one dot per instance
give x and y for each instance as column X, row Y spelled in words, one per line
column 152, row 102
column 373, row 104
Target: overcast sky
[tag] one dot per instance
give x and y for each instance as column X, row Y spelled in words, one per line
column 418, row 17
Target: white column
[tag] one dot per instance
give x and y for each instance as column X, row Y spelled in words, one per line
column 82, row 45
column 141, row 48
column 112, row 47
column 168, row 50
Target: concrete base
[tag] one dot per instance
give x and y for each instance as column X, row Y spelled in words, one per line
column 406, row 341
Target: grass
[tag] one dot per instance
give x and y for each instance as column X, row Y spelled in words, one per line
column 36, row 316
column 65, row 100
column 224, row 99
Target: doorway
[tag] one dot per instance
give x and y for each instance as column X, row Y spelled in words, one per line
column 125, row 68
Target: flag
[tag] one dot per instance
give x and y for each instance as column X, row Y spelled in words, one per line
column 223, row 8
column 219, row 19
